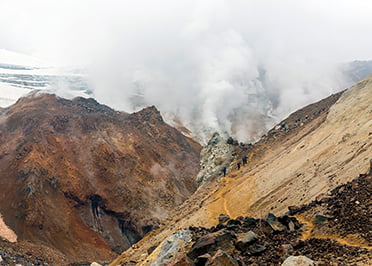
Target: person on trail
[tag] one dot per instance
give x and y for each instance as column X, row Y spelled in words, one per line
column 238, row 164
column 244, row 160
column 224, row 171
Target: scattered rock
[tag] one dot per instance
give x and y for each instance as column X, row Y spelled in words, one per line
column 95, row 264
column 255, row 249
column 320, row 219
column 275, row 224
column 223, row 218
column 211, row 242
column 298, row 261
column 321, row 198
column 293, row 209
column 244, row 240
column 249, row 221
column 221, row 259
column 287, row 249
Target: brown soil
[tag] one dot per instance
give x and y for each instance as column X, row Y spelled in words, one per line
column 87, row 181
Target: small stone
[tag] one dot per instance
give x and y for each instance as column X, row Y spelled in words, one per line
column 320, row 219
column 275, row 224
column 95, row 264
column 293, row 209
column 221, row 259
column 249, row 221
column 211, row 242
column 234, row 222
column 245, row 240
column 298, row 261
column 202, row 260
column 291, row 226
column 256, row 249
column 287, row 249
column 223, row 218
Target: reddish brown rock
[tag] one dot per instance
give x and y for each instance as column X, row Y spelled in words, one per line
column 87, row 180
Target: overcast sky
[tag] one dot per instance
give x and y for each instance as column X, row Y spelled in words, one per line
column 70, row 31
column 201, row 56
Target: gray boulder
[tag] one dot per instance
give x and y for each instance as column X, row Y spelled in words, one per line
column 171, row 248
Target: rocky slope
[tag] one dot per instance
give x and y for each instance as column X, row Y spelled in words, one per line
column 87, row 181
column 312, row 152
column 272, row 240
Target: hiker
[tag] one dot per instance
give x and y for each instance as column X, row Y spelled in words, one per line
column 224, row 171
column 238, row 164
column 244, row 160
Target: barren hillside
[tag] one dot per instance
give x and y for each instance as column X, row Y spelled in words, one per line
column 86, row 181
column 329, row 146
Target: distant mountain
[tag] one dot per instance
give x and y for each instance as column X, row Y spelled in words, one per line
column 85, row 180
column 357, row 70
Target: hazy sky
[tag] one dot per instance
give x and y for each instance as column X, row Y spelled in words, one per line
column 70, row 31
column 199, row 60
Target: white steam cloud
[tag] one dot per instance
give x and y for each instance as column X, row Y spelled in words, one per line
column 230, row 66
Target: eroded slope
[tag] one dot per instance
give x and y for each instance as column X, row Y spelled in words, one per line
column 287, row 167
column 86, row 180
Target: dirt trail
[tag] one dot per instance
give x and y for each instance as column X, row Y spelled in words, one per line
column 309, row 233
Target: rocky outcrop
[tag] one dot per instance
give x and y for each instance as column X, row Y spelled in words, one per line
column 86, row 180
column 216, row 155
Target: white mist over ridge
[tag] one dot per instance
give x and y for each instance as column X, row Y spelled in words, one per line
column 236, row 66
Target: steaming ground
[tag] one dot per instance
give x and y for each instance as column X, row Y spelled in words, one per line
column 236, row 67
column 240, row 105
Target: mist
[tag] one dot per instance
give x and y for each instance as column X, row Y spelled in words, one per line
column 236, row 67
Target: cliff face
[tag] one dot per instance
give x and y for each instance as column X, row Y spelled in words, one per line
column 86, row 180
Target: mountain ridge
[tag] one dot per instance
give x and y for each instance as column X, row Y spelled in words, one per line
column 78, row 176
